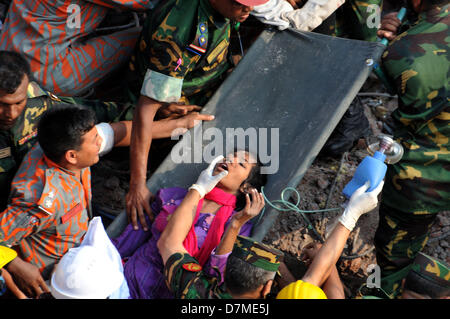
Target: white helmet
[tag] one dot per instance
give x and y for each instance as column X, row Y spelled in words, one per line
column 85, row 272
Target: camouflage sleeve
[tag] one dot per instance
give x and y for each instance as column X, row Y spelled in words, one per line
column 21, row 220
column 421, row 94
column 366, row 13
column 163, row 48
column 417, row 61
column 178, row 279
column 186, row 279
column 104, row 111
column 127, row 4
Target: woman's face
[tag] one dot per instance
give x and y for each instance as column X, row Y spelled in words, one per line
column 239, row 166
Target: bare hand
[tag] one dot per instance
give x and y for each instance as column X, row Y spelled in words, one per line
column 309, row 252
column 389, row 26
column 137, row 202
column 194, row 118
column 252, row 208
column 176, row 110
column 27, row 277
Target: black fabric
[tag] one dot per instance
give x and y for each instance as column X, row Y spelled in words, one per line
column 353, row 126
column 300, row 83
column 4, row 6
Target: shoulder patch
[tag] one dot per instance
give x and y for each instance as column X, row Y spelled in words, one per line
column 49, row 201
column 34, row 90
column 28, row 137
column 193, row 267
column 217, row 51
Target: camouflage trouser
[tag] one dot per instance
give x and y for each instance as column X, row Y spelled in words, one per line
column 399, row 238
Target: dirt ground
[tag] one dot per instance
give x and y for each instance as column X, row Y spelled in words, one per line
column 320, row 188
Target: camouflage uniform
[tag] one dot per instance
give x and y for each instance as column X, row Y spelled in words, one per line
column 17, row 141
column 49, row 211
column 354, row 19
column 417, row 187
column 186, row 280
column 182, row 54
column 426, row 268
column 418, row 276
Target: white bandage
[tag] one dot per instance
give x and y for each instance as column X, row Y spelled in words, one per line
column 106, row 132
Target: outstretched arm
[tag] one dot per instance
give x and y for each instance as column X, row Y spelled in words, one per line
column 172, row 238
column 138, row 196
column 328, row 255
column 143, row 131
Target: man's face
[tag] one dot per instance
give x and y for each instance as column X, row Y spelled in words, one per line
column 232, row 9
column 87, row 155
column 12, row 105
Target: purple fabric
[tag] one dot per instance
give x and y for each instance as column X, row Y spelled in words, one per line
column 215, row 266
column 143, row 268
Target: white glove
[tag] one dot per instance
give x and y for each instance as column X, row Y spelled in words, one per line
column 206, row 181
column 312, row 14
column 106, row 132
column 271, row 13
column 359, row 204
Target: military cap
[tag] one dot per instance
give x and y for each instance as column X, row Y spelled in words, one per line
column 257, row 254
column 428, row 268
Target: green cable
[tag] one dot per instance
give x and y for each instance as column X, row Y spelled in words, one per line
column 290, row 206
column 293, row 207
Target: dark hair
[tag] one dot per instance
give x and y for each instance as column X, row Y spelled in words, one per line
column 13, row 67
column 415, row 282
column 255, row 179
column 62, row 127
column 242, row 277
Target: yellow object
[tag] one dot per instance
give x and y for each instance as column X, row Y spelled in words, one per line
column 301, row 290
column 6, row 255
